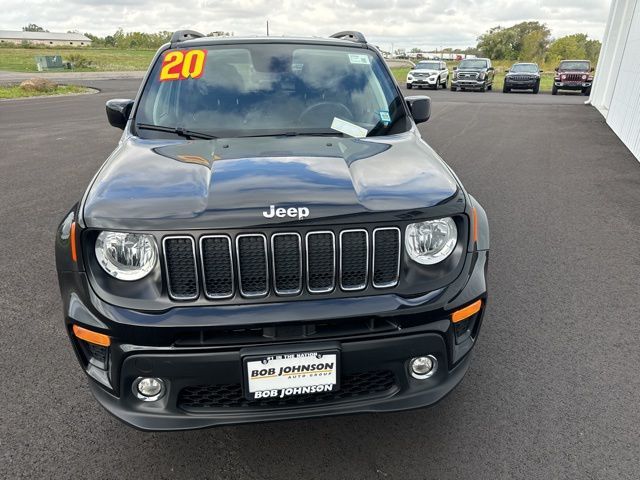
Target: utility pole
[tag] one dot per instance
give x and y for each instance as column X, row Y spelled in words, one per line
column 267, row 28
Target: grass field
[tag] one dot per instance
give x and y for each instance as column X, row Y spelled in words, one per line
column 14, row 91
column 546, row 81
column 102, row 59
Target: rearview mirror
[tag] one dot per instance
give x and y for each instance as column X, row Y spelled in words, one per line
column 118, row 111
column 420, row 107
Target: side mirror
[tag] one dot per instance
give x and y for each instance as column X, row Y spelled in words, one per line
column 506, row 71
column 556, row 69
column 420, row 107
column 540, row 71
column 118, row 111
column 593, row 69
column 455, row 68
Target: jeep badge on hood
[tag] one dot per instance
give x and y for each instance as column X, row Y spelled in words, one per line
column 293, row 212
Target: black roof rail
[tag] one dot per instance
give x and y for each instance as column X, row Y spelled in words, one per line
column 182, row 35
column 350, row 35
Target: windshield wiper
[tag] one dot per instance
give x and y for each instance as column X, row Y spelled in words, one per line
column 295, row 134
column 181, row 132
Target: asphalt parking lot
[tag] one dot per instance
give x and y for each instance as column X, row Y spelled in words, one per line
column 553, row 389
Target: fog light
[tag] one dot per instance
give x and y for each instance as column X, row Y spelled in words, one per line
column 148, row 389
column 423, row 367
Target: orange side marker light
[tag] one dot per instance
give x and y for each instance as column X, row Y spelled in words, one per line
column 91, row 337
column 466, row 312
column 72, row 238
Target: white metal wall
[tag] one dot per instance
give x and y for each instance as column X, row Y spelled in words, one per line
column 616, row 89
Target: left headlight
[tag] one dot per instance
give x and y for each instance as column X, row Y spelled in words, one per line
column 126, row 256
column 432, row 241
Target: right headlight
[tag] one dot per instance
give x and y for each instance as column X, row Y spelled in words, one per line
column 432, row 241
column 126, row 256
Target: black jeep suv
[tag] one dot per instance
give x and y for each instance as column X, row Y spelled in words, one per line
column 473, row 74
column 271, row 239
column 573, row 75
column 522, row 76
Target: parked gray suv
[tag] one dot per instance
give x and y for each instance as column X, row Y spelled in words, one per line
column 473, row 74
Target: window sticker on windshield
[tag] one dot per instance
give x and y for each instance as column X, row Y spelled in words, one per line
column 348, row 128
column 384, row 116
column 183, row 64
column 359, row 59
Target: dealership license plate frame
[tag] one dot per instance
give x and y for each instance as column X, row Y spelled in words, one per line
column 277, row 356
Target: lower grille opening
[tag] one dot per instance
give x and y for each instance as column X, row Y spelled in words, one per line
column 285, row 332
column 352, row 387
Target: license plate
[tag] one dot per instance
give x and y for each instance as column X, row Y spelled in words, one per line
column 286, row 375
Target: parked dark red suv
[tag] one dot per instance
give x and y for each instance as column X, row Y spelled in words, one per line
column 573, row 75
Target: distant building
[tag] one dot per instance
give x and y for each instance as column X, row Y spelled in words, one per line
column 438, row 56
column 45, row 38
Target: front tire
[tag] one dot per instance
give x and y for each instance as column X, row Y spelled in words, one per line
column 483, row 88
column 490, row 87
column 453, row 89
column 554, row 90
column 444, row 84
column 536, row 87
column 505, row 89
column 409, row 86
column 586, row 91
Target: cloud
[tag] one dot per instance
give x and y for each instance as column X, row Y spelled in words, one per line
column 404, row 23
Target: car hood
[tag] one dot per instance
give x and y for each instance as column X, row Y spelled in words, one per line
column 165, row 185
column 424, row 70
column 522, row 74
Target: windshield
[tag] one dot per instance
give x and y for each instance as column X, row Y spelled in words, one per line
column 580, row 66
column 525, row 67
column 270, row 89
column 428, row 66
column 473, row 64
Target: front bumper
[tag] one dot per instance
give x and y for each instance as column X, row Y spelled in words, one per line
column 190, row 351
column 468, row 83
column 521, row 85
column 429, row 81
column 572, row 85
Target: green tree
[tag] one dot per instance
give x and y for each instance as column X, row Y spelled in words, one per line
column 32, row 27
column 523, row 41
column 576, row 46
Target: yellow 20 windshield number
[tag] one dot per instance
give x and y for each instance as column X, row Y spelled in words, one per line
column 182, row 64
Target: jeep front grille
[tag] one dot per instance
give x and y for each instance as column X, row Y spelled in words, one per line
column 256, row 265
column 574, row 77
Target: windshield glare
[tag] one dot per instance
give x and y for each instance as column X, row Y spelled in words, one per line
column 524, row 67
column 428, row 66
column 578, row 66
column 473, row 64
column 272, row 89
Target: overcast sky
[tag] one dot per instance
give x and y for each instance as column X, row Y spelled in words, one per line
column 404, row 23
